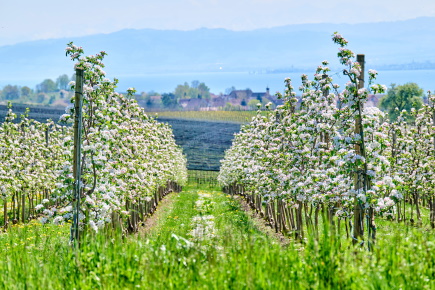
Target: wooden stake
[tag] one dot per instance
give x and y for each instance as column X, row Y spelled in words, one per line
column 23, row 207
column 432, row 200
column 78, row 104
column 358, row 227
column 5, row 213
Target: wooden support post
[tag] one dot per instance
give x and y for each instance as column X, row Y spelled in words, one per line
column 358, row 227
column 432, row 199
column 18, row 208
column 47, row 136
column 299, row 222
column 13, row 206
column 5, row 213
column 78, row 103
column 23, row 207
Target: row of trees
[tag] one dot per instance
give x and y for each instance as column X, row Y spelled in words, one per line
column 40, row 93
column 128, row 159
column 329, row 156
column 196, row 90
column 398, row 98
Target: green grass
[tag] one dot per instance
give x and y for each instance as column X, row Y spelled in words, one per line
column 240, row 117
column 237, row 256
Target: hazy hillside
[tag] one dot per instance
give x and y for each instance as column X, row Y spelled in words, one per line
column 133, row 52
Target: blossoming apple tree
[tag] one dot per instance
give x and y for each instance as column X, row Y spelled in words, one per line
column 324, row 153
column 127, row 156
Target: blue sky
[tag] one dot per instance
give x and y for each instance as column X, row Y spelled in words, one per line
column 24, row 20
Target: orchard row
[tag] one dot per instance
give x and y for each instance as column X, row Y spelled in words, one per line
column 327, row 156
column 128, row 161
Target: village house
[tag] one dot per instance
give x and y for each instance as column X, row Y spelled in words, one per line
column 193, row 104
column 248, row 94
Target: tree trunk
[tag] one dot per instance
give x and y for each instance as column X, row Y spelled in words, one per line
column 18, row 207
column 299, row 222
column 372, row 228
column 5, row 213
column 23, row 216
column 13, row 206
column 417, row 205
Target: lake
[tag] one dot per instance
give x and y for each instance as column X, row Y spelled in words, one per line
column 218, row 82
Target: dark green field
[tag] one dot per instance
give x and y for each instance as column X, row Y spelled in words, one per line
column 204, row 143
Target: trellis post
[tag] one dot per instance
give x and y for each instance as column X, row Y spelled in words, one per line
column 359, row 176
column 78, row 103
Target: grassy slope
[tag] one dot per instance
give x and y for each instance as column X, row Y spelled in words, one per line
column 234, row 254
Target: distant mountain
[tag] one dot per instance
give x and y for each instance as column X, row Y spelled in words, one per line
column 145, row 51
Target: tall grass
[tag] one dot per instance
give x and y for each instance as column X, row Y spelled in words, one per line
column 240, row 256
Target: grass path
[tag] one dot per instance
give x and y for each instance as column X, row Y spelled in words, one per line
column 203, row 239
column 216, row 240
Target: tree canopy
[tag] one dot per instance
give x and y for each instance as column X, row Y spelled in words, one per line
column 195, row 90
column 46, row 92
column 48, row 85
column 402, row 97
column 10, row 92
column 62, row 82
column 169, row 100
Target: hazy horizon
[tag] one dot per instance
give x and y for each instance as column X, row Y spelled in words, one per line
column 217, row 28
column 49, row 19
